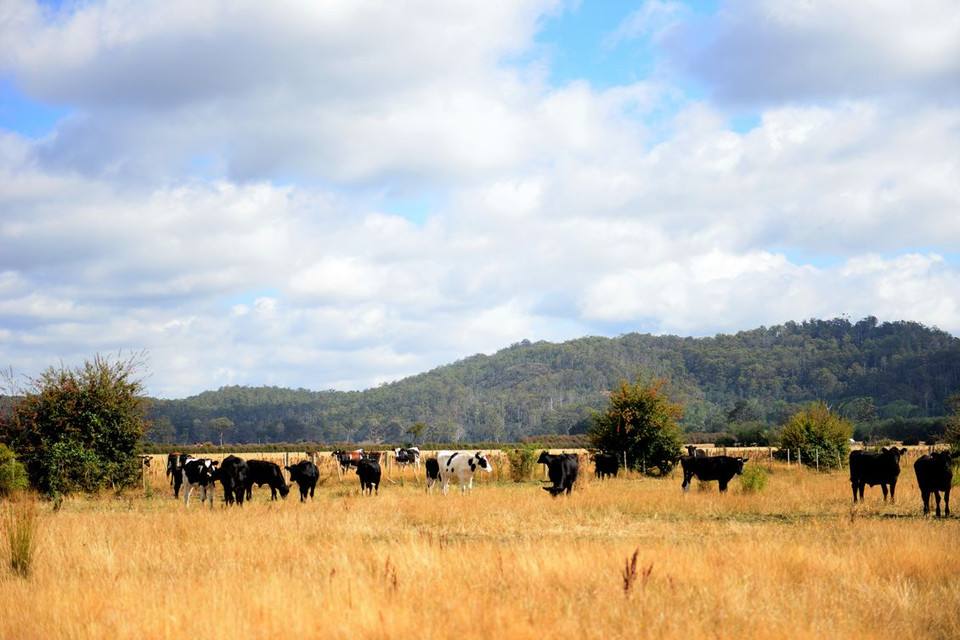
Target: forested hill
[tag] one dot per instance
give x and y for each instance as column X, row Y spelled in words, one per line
column 867, row 370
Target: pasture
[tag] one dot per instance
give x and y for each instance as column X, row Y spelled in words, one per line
column 507, row 561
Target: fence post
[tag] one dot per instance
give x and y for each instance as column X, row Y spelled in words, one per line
column 816, row 453
column 799, row 456
column 788, row 457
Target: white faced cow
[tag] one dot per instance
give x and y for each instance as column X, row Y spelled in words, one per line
column 200, row 474
column 407, row 456
column 460, row 465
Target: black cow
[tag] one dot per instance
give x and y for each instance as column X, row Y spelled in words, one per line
column 432, row 465
column 719, row 468
column 200, row 474
column 261, row 472
column 232, row 475
column 606, row 465
column 369, row 472
column 305, row 474
column 872, row 468
column 174, row 463
column 562, row 468
column 935, row 475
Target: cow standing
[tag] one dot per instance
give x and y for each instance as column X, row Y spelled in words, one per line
column 346, row 459
column 606, row 465
column 199, row 474
column 305, row 474
column 261, row 472
column 462, row 466
column 433, row 473
column 232, row 475
column 719, row 468
column 174, row 463
column 369, row 472
column 407, row 456
column 872, row 468
column 562, row 469
column 935, row 475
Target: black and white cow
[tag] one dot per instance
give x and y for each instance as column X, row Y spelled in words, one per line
column 433, row 473
column 199, row 474
column 261, row 472
column 719, row 468
column 934, row 474
column 407, row 456
column 369, row 472
column 232, row 475
column 562, row 468
column 875, row 468
column 462, row 466
column 347, row 459
column 305, row 474
column 606, row 465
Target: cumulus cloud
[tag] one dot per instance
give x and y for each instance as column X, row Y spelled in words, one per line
column 565, row 210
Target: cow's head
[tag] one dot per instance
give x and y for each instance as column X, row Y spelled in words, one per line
column 944, row 457
column 544, row 458
column 895, row 452
column 482, row 462
column 740, row 463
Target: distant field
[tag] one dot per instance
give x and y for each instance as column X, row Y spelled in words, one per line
column 794, row 561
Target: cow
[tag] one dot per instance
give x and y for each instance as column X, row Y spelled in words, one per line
column 200, row 474
column 369, row 472
column 606, row 465
column 407, row 456
column 174, row 461
column 305, row 474
column 693, row 452
column 261, row 472
column 935, row 475
column 562, row 469
column 873, row 468
column 433, row 473
column 347, row 459
column 719, row 468
column 232, row 475
column 460, row 465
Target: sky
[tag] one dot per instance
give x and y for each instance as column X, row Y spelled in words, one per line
column 338, row 194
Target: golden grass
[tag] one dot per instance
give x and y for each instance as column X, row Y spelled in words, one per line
column 507, row 561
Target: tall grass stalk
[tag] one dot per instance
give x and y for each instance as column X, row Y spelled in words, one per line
column 21, row 530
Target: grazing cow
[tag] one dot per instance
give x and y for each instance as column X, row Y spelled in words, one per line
column 935, row 475
column 562, row 469
column 232, row 475
column 433, row 473
column 407, row 456
column 200, row 474
column 305, row 474
column 261, row 472
column 462, row 466
column 606, row 465
column 872, row 468
column 719, row 468
column 693, row 452
column 347, row 459
column 369, row 472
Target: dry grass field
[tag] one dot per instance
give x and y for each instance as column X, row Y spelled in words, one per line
column 794, row 561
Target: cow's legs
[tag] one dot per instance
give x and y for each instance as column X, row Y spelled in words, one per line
column 936, row 495
column 946, row 501
column 186, row 494
column 926, row 502
column 723, row 485
column 893, row 491
column 687, row 477
column 853, row 485
column 861, row 486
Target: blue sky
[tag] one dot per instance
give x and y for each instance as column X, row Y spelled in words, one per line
column 340, row 194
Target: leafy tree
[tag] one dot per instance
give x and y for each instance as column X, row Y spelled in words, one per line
column 744, row 411
column 219, row 425
column 641, row 421
column 417, row 430
column 819, row 434
column 951, row 434
column 78, row 429
column 13, row 476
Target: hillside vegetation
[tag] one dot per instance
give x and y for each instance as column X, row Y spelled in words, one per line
column 901, row 372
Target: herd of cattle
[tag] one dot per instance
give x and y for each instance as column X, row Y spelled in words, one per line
column 238, row 476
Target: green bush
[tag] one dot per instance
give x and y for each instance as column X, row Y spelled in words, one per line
column 13, row 477
column 818, row 434
column 522, row 463
column 753, row 479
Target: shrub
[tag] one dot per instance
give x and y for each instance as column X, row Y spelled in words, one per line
column 818, row 434
column 642, row 422
column 753, row 479
column 13, row 477
column 522, row 463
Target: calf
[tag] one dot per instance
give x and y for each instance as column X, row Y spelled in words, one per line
column 562, row 469
column 935, row 475
column 261, row 472
column 369, row 472
column 462, row 466
column 872, row 468
column 719, row 468
column 606, row 465
column 200, row 474
column 232, row 475
column 305, row 474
